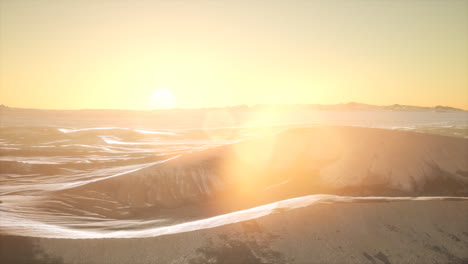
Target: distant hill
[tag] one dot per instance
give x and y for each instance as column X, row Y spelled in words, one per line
column 395, row 107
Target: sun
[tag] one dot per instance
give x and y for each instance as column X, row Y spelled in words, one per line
column 162, row 99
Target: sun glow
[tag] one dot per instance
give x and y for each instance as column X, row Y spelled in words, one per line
column 162, row 99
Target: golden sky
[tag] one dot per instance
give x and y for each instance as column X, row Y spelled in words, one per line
column 64, row 54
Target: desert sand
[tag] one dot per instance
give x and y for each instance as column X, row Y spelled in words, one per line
column 432, row 230
column 311, row 195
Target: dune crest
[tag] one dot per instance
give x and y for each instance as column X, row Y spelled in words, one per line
column 331, row 160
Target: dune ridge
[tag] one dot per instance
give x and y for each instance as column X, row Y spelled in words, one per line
column 331, row 160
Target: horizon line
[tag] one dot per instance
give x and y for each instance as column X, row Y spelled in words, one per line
column 230, row 106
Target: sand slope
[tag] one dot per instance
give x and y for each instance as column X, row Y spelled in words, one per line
column 334, row 160
column 366, row 231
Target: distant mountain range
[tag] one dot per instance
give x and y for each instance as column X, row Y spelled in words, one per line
column 352, row 106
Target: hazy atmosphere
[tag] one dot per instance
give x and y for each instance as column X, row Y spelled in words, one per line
column 115, row 54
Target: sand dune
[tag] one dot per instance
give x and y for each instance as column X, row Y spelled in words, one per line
column 312, row 229
column 332, row 160
column 386, row 196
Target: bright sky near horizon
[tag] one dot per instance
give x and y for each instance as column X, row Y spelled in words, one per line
column 114, row 54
